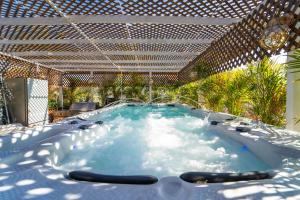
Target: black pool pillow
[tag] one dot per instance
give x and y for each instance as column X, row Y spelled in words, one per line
column 171, row 105
column 208, row 177
column 244, row 123
column 230, row 119
column 243, row 129
column 74, row 122
column 131, row 105
column 85, row 126
column 214, row 123
column 100, row 178
column 99, row 122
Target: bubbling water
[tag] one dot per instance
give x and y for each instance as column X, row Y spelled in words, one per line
column 159, row 141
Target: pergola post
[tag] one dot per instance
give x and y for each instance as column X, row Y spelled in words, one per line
column 293, row 100
column 61, row 92
column 122, row 86
column 150, row 86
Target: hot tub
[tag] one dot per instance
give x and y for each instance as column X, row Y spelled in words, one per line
column 161, row 141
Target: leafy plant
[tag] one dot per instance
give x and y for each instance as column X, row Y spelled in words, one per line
column 212, row 90
column 136, row 88
column 76, row 94
column 235, row 93
column 257, row 92
column 5, row 95
column 52, row 104
column 188, row 93
column 295, row 62
column 267, row 86
column 202, row 69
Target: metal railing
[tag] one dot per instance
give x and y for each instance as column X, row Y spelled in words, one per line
column 178, row 100
column 160, row 97
column 125, row 100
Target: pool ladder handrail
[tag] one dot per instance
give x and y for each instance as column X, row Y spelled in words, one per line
column 177, row 100
column 160, row 97
column 207, row 112
column 128, row 100
column 124, row 100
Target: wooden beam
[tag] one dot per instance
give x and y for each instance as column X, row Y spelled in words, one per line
column 95, row 19
column 96, row 53
column 80, row 66
column 108, row 41
column 181, row 61
column 164, row 70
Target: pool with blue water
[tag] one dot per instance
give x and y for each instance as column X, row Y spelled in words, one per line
column 161, row 141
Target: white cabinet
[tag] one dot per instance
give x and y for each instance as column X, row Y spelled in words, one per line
column 29, row 105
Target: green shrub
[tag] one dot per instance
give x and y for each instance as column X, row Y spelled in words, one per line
column 258, row 91
column 52, row 104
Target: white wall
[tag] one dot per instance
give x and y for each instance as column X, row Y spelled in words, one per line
column 37, row 101
column 293, row 94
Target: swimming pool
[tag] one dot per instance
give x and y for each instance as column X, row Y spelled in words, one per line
column 37, row 162
column 160, row 141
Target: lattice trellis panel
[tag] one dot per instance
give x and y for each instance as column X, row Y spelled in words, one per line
column 240, row 45
column 100, row 79
column 13, row 68
column 173, row 29
column 84, row 79
column 154, row 35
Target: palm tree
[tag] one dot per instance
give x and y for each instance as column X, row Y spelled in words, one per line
column 212, row 89
column 295, row 62
column 235, row 93
column 267, row 85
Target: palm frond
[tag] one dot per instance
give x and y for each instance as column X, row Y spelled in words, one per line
column 295, row 61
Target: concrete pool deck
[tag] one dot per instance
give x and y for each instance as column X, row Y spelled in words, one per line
column 27, row 172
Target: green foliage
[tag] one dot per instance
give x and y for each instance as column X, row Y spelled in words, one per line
column 75, row 94
column 202, row 69
column 211, row 89
column 295, row 62
column 257, row 92
column 137, row 88
column 236, row 94
column 163, row 93
column 5, row 96
column 189, row 93
column 267, row 91
column 52, row 104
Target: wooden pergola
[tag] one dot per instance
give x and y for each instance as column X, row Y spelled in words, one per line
column 164, row 39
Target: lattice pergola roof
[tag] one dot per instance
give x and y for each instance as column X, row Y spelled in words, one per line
column 128, row 35
column 163, row 36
